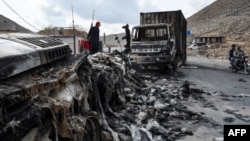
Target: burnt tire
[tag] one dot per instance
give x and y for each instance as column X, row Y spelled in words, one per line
column 184, row 59
column 137, row 67
column 145, row 66
column 174, row 64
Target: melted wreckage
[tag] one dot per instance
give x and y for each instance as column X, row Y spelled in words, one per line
column 92, row 98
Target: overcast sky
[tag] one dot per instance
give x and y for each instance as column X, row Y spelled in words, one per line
column 111, row 13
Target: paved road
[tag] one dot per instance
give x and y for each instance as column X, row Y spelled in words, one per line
column 229, row 102
column 215, row 75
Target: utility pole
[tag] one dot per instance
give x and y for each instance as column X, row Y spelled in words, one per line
column 74, row 37
column 93, row 16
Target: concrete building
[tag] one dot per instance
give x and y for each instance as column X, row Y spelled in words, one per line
column 76, row 46
column 210, row 39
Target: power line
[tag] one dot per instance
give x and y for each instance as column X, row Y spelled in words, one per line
column 19, row 15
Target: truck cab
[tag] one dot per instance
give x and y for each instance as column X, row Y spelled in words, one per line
column 153, row 44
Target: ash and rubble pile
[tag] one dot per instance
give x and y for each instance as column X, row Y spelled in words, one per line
column 93, row 98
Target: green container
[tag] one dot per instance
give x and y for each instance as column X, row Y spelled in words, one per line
column 100, row 49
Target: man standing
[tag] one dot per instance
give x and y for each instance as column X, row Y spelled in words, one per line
column 93, row 38
column 127, row 37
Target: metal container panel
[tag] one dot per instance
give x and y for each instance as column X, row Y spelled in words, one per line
column 176, row 18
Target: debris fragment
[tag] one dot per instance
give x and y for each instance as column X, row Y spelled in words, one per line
column 242, row 80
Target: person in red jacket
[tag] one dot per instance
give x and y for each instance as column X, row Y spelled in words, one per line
column 93, row 37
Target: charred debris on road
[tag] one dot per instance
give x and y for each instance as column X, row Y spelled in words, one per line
column 95, row 98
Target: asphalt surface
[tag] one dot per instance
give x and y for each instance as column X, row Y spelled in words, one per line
column 228, row 99
column 216, row 76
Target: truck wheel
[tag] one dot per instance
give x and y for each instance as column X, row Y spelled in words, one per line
column 184, row 60
column 145, row 67
column 174, row 65
column 137, row 67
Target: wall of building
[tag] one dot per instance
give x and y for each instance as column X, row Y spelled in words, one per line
column 70, row 41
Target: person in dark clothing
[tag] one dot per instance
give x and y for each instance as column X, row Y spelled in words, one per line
column 127, row 37
column 93, row 38
column 238, row 54
column 231, row 52
column 231, row 55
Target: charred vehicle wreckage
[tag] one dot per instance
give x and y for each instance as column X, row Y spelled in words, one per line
column 160, row 39
column 86, row 97
column 20, row 52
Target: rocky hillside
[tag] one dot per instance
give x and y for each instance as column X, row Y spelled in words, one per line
column 7, row 25
column 228, row 18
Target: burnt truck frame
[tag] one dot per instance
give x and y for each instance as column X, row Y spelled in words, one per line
column 160, row 39
column 20, row 52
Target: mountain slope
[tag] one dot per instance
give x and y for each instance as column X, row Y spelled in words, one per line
column 228, row 18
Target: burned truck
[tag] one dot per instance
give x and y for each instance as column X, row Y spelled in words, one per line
column 160, row 39
column 20, row 52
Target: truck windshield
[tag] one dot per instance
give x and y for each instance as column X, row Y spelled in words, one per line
column 150, row 33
